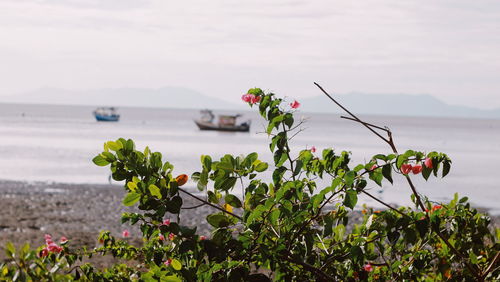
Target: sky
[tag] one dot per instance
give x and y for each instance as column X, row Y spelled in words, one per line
column 448, row 49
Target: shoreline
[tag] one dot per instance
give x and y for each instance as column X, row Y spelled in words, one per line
column 80, row 211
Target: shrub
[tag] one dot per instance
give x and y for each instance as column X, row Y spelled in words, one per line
column 291, row 227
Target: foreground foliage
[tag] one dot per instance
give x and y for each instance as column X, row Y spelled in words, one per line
column 289, row 227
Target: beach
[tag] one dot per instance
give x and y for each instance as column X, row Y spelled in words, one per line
column 79, row 212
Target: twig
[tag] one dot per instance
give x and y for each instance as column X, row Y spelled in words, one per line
column 194, row 207
column 210, row 204
column 366, row 123
column 322, row 276
column 493, row 262
column 385, row 204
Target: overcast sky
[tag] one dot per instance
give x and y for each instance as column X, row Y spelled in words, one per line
column 449, row 49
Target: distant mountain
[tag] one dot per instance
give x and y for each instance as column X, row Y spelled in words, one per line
column 166, row 97
column 394, row 104
column 179, row 97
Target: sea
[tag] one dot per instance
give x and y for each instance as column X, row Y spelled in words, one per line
column 55, row 143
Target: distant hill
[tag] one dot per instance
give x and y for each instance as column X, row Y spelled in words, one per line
column 394, row 104
column 179, row 97
column 166, row 97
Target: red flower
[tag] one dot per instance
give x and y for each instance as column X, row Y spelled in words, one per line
column 436, row 207
column 295, row 104
column 161, row 237
column 53, row 248
column 166, row 222
column 313, row 149
column 43, row 253
column 63, row 240
column 202, row 238
column 374, row 167
column 168, row 262
column 406, row 168
column 416, row 169
column 254, row 99
column 428, row 162
column 368, row 267
column 171, row 236
column 246, row 97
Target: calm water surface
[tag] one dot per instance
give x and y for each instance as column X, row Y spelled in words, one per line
column 57, row 143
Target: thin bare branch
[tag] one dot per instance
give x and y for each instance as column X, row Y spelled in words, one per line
column 210, row 204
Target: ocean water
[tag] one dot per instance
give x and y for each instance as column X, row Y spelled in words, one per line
column 57, row 143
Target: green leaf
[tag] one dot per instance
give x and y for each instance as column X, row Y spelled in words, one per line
column 10, row 250
column 351, row 198
column 262, row 166
column 357, row 254
column 349, row 178
column 233, row 201
column 170, row 278
column 426, row 172
column 132, row 186
column 250, row 159
column 218, row 220
column 100, row 161
column 207, row 162
column 155, row 191
column 226, row 184
column 387, row 172
column 446, row 168
column 174, row 205
column 115, row 146
column 176, row 264
column 131, row 198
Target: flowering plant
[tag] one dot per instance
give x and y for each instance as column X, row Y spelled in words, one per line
column 288, row 227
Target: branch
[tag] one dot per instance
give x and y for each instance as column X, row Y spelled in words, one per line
column 492, row 264
column 390, row 142
column 210, row 204
column 321, row 275
column 385, row 204
column 366, row 123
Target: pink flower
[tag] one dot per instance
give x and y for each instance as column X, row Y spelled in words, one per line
column 368, row 267
column 374, row 167
column 254, row 99
column 48, row 239
column 161, row 237
column 43, row 253
column 63, row 240
column 247, row 98
column 168, row 262
column 125, row 233
column 428, row 162
column 406, row 168
column 171, row 236
column 416, row 169
column 295, row 104
column 166, row 222
column 313, row 149
column 53, row 248
column 202, row 238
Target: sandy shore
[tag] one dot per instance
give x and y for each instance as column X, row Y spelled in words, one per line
column 79, row 212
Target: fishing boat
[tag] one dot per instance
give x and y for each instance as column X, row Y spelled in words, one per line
column 106, row 114
column 225, row 122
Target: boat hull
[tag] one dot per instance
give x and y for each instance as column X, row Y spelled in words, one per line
column 210, row 126
column 107, row 118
